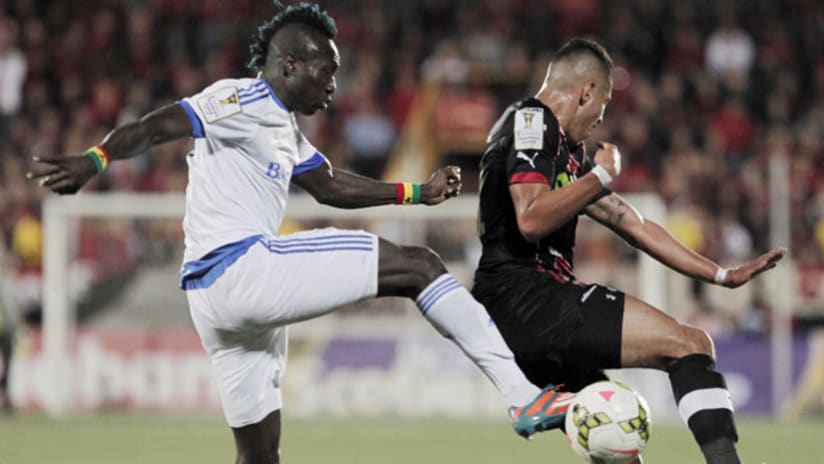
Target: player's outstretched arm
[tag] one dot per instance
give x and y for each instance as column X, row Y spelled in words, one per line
column 343, row 189
column 648, row 236
column 66, row 175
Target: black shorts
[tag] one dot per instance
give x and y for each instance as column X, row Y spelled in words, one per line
column 561, row 333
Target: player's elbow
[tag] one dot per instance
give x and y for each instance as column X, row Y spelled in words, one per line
column 532, row 230
column 324, row 196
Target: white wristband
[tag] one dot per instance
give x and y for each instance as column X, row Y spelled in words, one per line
column 602, row 175
column 721, row 275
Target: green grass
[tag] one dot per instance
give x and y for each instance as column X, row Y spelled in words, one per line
column 124, row 439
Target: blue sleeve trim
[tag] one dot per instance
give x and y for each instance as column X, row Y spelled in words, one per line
column 197, row 126
column 316, row 160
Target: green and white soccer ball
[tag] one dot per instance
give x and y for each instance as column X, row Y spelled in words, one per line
column 608, row 422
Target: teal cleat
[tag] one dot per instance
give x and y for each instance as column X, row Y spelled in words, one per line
column 546, row 412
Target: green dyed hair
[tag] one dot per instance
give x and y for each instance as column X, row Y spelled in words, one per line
column 306, row 13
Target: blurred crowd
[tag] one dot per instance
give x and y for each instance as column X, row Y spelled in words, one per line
column 707, row 92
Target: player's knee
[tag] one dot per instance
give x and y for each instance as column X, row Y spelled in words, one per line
column 425, row 264
column 692, row 341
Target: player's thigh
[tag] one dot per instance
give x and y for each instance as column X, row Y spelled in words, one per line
column 654, row 339
column 300, row 276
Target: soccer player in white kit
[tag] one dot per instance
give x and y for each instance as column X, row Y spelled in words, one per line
column 244, row 282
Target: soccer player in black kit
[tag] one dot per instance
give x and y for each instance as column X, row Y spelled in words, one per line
column 536, row 179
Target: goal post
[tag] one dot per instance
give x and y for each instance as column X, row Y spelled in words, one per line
column 61, row 212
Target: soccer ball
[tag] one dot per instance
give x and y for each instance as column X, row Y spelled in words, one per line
column 608, row 422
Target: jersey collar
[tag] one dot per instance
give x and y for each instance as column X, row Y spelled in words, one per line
column 272, row 94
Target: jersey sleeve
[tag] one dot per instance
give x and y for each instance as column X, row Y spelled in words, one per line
column 309, row 157
column 531, row 155
column 218, row 112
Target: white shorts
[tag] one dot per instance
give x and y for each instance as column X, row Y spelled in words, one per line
column 241, row 317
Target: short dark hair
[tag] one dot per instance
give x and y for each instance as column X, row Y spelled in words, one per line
column 309, row 14
column 581, row 45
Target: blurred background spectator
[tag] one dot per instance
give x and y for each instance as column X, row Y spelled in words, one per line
column 705, row 93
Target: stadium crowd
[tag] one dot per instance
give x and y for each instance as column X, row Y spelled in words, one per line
column 706, row 92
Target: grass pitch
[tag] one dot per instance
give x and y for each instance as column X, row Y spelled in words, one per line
column 126, row 439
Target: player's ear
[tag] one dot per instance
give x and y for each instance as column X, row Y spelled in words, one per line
column 587, row 93
column 289, row 65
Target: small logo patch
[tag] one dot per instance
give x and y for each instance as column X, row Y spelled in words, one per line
column 527, row 158
column 219, row 104
column 529, row 129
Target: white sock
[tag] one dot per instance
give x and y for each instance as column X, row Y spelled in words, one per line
column 450, row 308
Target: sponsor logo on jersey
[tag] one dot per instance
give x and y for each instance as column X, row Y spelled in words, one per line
column 563, row 179
column 586, row 295
column 527, row 158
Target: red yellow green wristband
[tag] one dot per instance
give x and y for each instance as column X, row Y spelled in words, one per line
column 407, row 193
column 100, row 156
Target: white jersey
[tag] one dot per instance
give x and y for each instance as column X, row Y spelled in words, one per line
column 245, row 282
column 247, row 148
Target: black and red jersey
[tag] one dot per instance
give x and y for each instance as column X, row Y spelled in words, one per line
column 526, row 145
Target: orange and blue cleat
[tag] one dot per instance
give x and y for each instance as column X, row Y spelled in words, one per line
column 546, row 412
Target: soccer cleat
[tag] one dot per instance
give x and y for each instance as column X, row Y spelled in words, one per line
column 547, row 411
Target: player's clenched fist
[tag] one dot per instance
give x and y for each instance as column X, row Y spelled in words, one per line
column 609, row 158
column 63, row 175
column 445, row 183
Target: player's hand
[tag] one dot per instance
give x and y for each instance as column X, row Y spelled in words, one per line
column 609, row 158
column 445, row 183
column 742, row 274
column 63, row 175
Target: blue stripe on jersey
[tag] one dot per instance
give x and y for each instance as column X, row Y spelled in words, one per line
column 197, row 125
column 274, row 97
column 202, row 273
column 254, row 98
column 316, row 160
column 437, row 290
column 256, row 93
column 254, row 88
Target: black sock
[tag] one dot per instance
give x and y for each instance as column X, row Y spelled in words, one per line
column 704, row 404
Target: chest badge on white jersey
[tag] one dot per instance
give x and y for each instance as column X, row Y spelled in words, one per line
column 220, row 104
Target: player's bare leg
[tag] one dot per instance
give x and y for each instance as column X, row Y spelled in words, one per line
column 653, row 339
column 637, row 460
column 419, row 274
column 259, row 443
column 6, row 349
